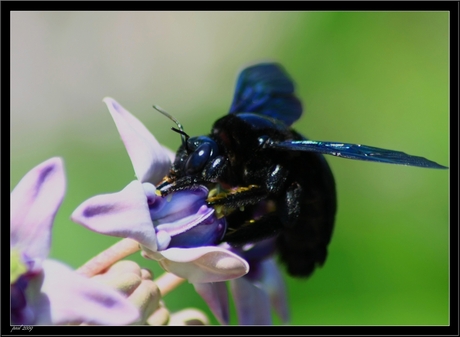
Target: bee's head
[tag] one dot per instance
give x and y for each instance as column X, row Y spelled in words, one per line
column 200, row 151
column 192, row 157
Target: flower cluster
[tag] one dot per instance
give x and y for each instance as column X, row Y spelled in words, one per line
column 41, row 289
column 181, row 232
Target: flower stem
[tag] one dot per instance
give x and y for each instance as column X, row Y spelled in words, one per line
column 168, row 282
column 105, row 259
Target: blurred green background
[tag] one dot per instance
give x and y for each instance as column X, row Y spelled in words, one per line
column 375, row 78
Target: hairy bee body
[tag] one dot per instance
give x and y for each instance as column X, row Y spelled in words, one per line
column 266, row 178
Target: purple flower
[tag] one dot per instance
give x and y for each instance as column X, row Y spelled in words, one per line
column 44, row 291
column 180, row 231
column 255, row 293
column 183, row 219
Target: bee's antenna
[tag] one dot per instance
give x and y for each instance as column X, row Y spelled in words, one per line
column 180, row 129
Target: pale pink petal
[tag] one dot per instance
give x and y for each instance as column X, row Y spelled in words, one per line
column 34, row 203
column 124, row 214
column 216, row 296
column 252, row 303
column 69, row 298
column 201, row 264
column 171, row 154
column 273, row 283
column 150, row 161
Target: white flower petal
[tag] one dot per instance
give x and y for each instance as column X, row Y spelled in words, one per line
column 150, row 161
column 124, row 214
column 215, row 295
column 273, row 283
column 69, row 298
column 171, row 154
column 34, row 203
column 201, row 264
column 252, row 303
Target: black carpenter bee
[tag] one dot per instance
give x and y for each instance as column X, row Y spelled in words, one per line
column 266, row 178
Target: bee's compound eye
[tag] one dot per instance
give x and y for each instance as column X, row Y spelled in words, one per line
column 198, row 158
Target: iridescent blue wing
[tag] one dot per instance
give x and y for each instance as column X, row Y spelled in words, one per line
column 354, row 151
column 266, row 89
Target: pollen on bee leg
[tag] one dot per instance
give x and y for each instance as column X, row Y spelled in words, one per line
column 218, row 209
column 213, row 192
column 157, row 192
